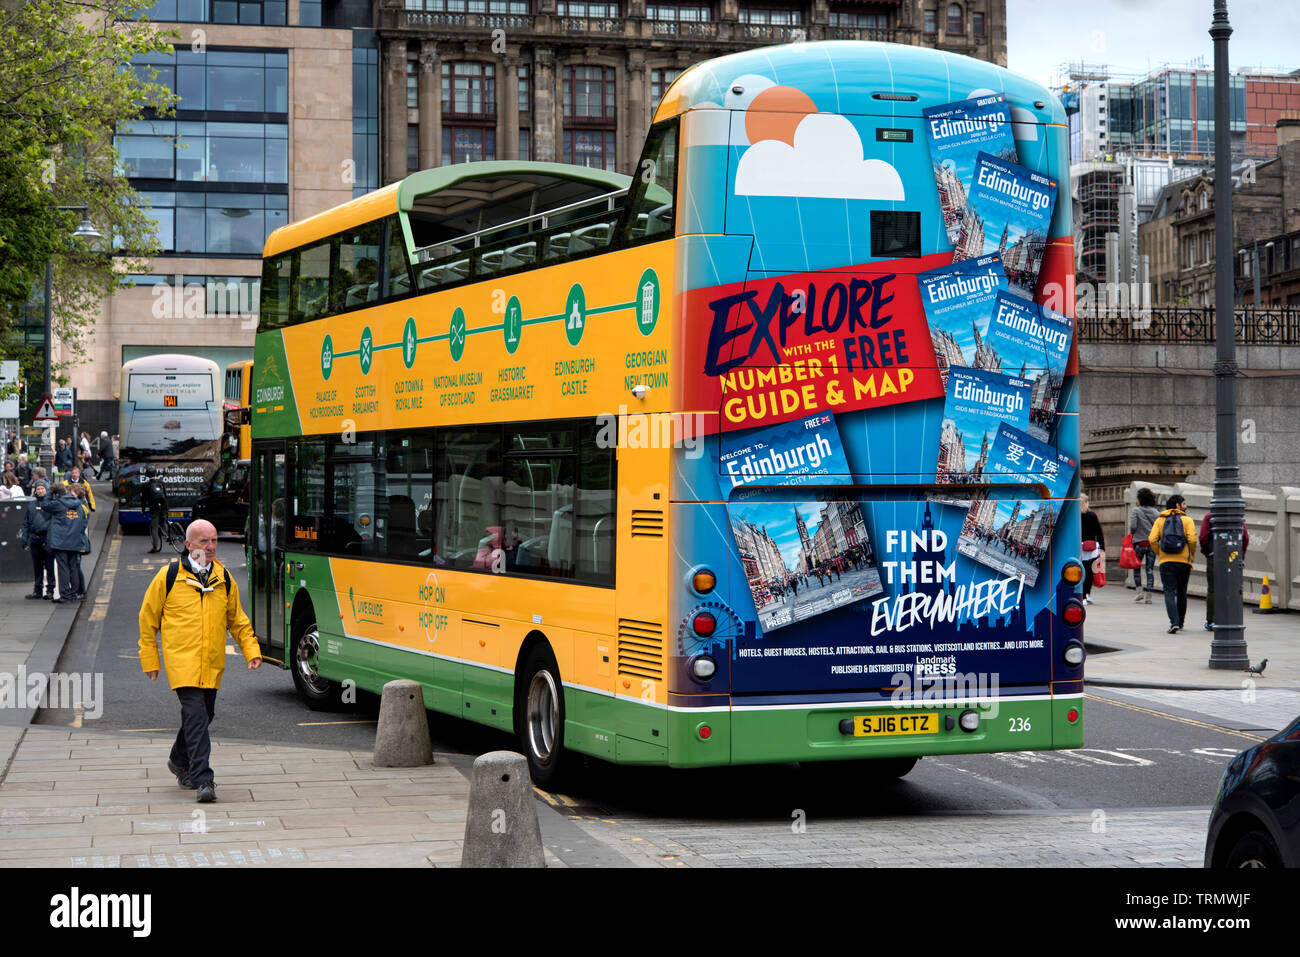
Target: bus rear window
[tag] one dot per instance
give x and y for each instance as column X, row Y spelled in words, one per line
column 276, row 273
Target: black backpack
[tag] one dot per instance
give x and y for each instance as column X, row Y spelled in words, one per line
column 1173, row 537
column 174, row 569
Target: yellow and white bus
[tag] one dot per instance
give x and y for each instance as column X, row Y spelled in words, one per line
column 542, row 438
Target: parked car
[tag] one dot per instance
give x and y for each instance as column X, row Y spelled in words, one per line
column 225, row 504
column 1256, row 816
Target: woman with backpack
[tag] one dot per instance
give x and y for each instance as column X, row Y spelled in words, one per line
column 1140, row 520
column 1173, row 536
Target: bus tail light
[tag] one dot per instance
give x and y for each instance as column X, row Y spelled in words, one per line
column 1073, row 613
column 1073, row 654
column 1072, row 572
column 704, row 668
column 969, row 720
column 1072, row 715
column 704, row 624
column 704, row 731
column 704, row 581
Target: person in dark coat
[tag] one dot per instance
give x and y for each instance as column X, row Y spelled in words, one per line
column 106, row 456
column 23, row 472
column 63, row 459
column 67, row 537
column 36, row 526
column 1092, row 534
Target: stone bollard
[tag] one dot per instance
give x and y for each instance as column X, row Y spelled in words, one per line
column 402, row 738
column 501, row 829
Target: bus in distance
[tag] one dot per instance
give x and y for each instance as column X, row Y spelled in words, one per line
column 764, row 454
column 236, row 412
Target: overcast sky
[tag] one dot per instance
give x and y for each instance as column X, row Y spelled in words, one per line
column 1134, row 36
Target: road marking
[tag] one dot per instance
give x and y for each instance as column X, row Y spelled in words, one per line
column 136, row 730
column 549, row 799
column 105, row 594
column 1174, row 717
column 318, row 724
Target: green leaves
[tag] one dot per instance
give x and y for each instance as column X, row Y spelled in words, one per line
column 65, row 83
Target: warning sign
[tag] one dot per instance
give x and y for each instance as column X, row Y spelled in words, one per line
column 46, row 412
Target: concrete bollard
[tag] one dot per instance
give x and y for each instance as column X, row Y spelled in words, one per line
column 501, row 829
column 402, row 738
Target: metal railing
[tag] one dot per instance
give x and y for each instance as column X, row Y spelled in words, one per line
column 1187, row 325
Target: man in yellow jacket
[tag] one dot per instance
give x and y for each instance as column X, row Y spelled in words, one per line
column 192, row 603
column 1174, row 554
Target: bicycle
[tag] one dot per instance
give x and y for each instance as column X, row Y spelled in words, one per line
column 174, row 532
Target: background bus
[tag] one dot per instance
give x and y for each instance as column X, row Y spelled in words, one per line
column 170, row 419
column 236, row 411
column 695, row 418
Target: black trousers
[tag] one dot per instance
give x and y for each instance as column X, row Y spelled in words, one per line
column 193, row 747
column 69, row 574
column 42, row 568
column 1173, row 577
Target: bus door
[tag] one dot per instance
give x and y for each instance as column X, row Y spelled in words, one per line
column 266, row 547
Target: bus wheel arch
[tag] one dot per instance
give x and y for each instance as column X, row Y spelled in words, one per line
column 540, row 711
column 318, row 693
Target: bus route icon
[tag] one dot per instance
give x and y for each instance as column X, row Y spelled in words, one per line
column 513, row 326
column 326, row 357
column 575, row 314
column 647, row 302
column 456, row 335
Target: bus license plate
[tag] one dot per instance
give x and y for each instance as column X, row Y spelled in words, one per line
column 175, row 514
column 878, row 725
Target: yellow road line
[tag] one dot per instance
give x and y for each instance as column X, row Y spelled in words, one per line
column 1174, row 717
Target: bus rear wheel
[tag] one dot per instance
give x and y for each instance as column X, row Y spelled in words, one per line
column 319, row 694
column 540, row 719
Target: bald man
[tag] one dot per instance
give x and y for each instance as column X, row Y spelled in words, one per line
column 191, row 603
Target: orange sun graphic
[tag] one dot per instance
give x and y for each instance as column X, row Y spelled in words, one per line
column 775, row 113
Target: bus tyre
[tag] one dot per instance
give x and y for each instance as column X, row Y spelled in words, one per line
column 1254, row 849
column 319, row 694
column 541, row 718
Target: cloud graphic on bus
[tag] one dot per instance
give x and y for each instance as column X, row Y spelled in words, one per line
column 824, row 162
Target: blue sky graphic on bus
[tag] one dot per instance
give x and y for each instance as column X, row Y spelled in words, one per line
column 1010, row 212
column 804, row 452
column 958, row 133
column 1012, row 536
column 976, row 404
column 1033, row 341
column 958, row 300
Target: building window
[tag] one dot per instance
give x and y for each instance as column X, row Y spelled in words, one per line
column 769, row 15
column 469, row 89
column 308, row 13
column 412, row 148
column 862, row 21
column 594, row 148
column 977, row 23
column 588, row 92
column 580, row 9
column 412, row 85
column 675, row 11
column 956, row 25
column 197, row 222
column 525, row 89
column 470, row 6
column 468, row 144
column 931, row 22
column 660, row 80
column 264, row 12
column 525, row 143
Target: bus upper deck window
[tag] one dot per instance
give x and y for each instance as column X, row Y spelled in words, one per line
column 650, row 211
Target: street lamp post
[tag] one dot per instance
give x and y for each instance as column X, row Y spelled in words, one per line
column 1227, row 507
column 84, row 230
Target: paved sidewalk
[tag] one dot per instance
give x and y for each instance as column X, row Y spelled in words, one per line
column 1146, row 656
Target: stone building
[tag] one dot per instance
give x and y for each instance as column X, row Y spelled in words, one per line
column 575, row 81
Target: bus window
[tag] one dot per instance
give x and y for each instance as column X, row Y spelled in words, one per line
column 537, row 515
column 399, row 269
column 274, row 307
column 311, row 297
column 409, row 494
column 355, row 280
column 649, row 210
column 594, row 521
column 308, row 492
column 467, row 498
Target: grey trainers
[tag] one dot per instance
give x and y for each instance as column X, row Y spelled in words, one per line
column 182, row 776
column 207, row 794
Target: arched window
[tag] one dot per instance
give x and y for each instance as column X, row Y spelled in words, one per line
column 956, row 25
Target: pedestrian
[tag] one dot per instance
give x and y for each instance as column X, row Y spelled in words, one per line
column 76, row 481
column 36, row 527
column 105, row 456
column 154, row 501
column 1173, row 536
column 1094, row 544
column 188, row 608
column 23, row 472
column 66, row 537
column 16, row 445
column 84, row 456
column 78, row 576
column 1140, row 520
column 63, row 460
column 1206, row 539
column 9, row 487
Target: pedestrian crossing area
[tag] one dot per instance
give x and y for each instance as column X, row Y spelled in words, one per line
column 1269, row 709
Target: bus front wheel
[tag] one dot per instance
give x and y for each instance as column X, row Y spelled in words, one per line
column 319, row 694
column 541, row 717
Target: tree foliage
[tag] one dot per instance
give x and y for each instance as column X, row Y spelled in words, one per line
column 66, row 81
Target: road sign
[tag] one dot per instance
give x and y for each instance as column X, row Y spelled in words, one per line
column 63, row 402
column 46, row 414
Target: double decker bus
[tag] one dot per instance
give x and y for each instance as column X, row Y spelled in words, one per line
column 645, row 468
column 236, row 411
column 170, row 419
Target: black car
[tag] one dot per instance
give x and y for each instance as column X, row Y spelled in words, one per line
column 225, row 504
column 1256, row 816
